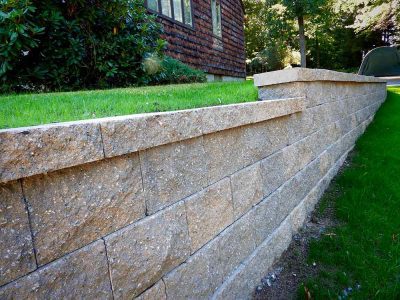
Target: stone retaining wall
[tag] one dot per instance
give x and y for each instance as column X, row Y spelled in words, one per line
column 188, row 204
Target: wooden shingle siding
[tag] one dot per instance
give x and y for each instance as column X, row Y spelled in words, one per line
column 199, row 48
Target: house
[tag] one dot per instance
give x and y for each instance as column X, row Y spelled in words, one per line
column 205, row 34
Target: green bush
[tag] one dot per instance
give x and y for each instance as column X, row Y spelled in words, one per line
column 174, row 71
column 75, row 44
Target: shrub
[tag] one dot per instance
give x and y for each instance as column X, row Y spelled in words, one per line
column 174, row 71
column 273, row 58
column 65, row 45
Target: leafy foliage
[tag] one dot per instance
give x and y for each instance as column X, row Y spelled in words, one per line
column 174, row 71
column 60, row 45
column 338, row 32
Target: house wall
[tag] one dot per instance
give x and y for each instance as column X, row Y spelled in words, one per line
column 188, row 204
column 198, row 46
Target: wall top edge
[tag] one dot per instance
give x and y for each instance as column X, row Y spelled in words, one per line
column 304, row 75
column 28, row 151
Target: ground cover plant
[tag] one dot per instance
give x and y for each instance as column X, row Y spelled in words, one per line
column 35, row 109
column 360, row 258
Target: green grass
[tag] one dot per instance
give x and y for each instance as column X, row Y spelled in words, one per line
column 365, row 249
column 35, row 109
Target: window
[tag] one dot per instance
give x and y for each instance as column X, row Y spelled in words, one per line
column 179, row 10
column 216, row 17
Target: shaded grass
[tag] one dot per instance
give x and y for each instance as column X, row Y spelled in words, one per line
column 35, row 109
column 365, row 250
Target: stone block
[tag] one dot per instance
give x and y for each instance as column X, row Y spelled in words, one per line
column 209, row 212
column 204, row 272
column 246, row 189
column 242, row 283
column 173, row 172
column 156, row 292
column 16, row 249
column 35, row 150
column 80, row 275
column 225, row 153
column 230, row 116
column 142, row 253
column 264, row 218
column 75, row 206
column 235, row 244
column 264, row 138
column 126, row 134
column 272, row 172
column 197, row 278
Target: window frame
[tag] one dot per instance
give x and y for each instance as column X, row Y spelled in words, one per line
column 172, row 18
column 212, row 20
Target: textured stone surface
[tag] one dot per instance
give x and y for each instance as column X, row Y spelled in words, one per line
column 203, row 272
column 35, row 150
column 230, row 116
column 75, row 206
column 80, row 275
column 173, row 172
column 246, row 189
column 209, row 212
column 264, row 218
column 197, row 278
column 156, row 292
column 303, row 74
column 128, row 134
column 231, row 150
column 142, row 253
column 16, row 249
column 225, row 153
column 241, row 284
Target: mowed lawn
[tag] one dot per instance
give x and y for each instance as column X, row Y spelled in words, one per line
column 36, row 109
column 361, row 257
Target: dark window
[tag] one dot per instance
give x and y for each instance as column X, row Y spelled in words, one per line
column 216, row 17
column 179, row 10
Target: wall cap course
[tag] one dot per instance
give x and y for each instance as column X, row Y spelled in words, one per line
column 304, row 74
column 29, row 151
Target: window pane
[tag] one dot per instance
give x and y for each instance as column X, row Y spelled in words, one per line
column 178, row 10
column 188, row 12
column 166, row 8
column 216, row 18
column 152, row 4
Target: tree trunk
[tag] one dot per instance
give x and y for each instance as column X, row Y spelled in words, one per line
column 302, row 40
column 317, row 50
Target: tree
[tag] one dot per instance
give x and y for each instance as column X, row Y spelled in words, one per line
column 300, row 9
column 373, row 16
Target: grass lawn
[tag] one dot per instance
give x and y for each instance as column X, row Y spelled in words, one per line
column 363, row 252
column 35, row 109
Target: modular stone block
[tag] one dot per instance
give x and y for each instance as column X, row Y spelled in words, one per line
column 128, row 134
column 264, row 217
column 80, row 275
column 232, row 150
column 235, row 244
column 75, row 206
column 35, row 150
column 272, row 172
column 247, row 189
column 225, row 153
column 204, row 272
column 142, row 253
column 173, row 172
column 16, row 248
column 197, row 278
column 263, row 139
column 243, row 281
column 230, row 116
column 209, row 212
column 156, row 292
